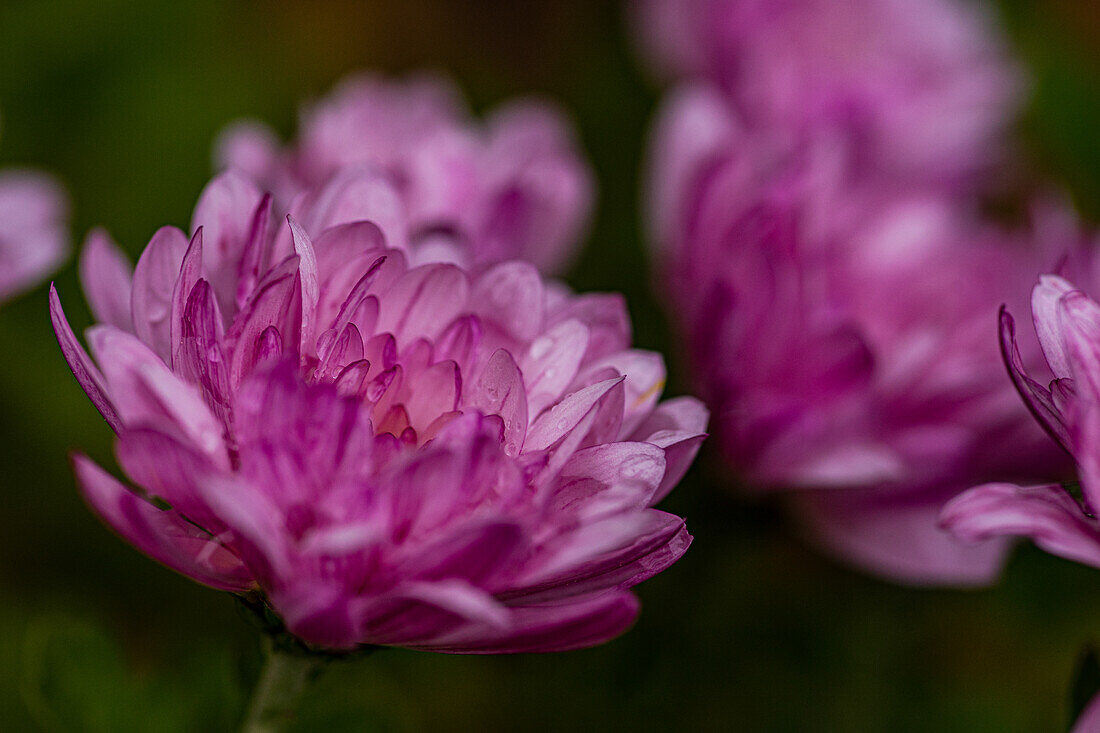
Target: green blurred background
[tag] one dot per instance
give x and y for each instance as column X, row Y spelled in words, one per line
column 751, row 631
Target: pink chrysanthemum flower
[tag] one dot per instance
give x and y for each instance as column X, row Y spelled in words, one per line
column 513, row 187
column 841, row 333
column 1066, row 402
column 34, row 237
column 389, row 453
column 922, row 90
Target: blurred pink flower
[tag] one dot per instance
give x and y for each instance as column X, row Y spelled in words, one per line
column 1089, row 719
column 1066, row 402
column 921, row 90
column 34, row 237
column 391, row 453
column 842, row 333
column 513, row 187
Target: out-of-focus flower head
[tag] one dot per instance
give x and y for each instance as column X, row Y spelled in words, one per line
column 34, row 236
column 512, row 187
column 920, row 90
column 1064, row 397
column 842, row 333
column 387, row 452
column 1089, row 719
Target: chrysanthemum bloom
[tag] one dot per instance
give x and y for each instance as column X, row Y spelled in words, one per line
column 513, row 187
column 395, row 454
column 841, row 334
column 923, row 89
column 1066, row 402
column 34, row 237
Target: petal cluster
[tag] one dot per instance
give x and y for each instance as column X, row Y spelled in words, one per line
column 34, row 237
column 840, row 328
column 921, row 90
column 513, row 187
column 389, row 451
column 1064, row 398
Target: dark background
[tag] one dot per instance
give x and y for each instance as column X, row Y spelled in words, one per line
column 750, row 631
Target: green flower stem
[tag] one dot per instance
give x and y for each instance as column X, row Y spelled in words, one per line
column 284, row 678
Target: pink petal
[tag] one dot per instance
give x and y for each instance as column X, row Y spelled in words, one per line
column 459, row 342
column 1046, row 514
column 155, row 277
column 1044, row 308
column 307, row 273
column 168, row 469
column 1085, row 433
column 354, row 195
column 423, row 302
column 342, row 351
column 34, row 238
column 1079, row 326
column 548, row 628
column 200, row 355
column 677, row 426
column 146, row 393
column 551, row 363
column 271, row 308
column 189, row 274
column 436, row 392
column 417, row 611
column 1089, row 720
column 258, row 529
column 249, row 147
column 257, row 254
column 475, row 554
column 617, row 552
column 606, row 318
column 1037, row 398
column 695, row 127
column 81, row 365
column 645, row 381
column 162, row 535
column 499, row 390
column 632, row 472
column 898, row 539
column 510, row 295
column 226, row 211
column 564, row 417
column 678, row 415
column 105, row 276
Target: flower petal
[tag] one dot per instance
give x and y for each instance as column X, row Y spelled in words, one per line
column 106, row 276
column 548, row 628
column 1046, row 514
column 155, row 277
column 898, row 539
column 564, row 417
column 146, row 393
column 1037, row 398
column 189, row 274
column 162, row 535
column 551, row 363
column 226, row 211
column 677, row 426
column 1044, row 308
column 616, row 552
column 83, row 368
column 423, row 302
column 499, row 390
column 1079, row 327
column 510, row 295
